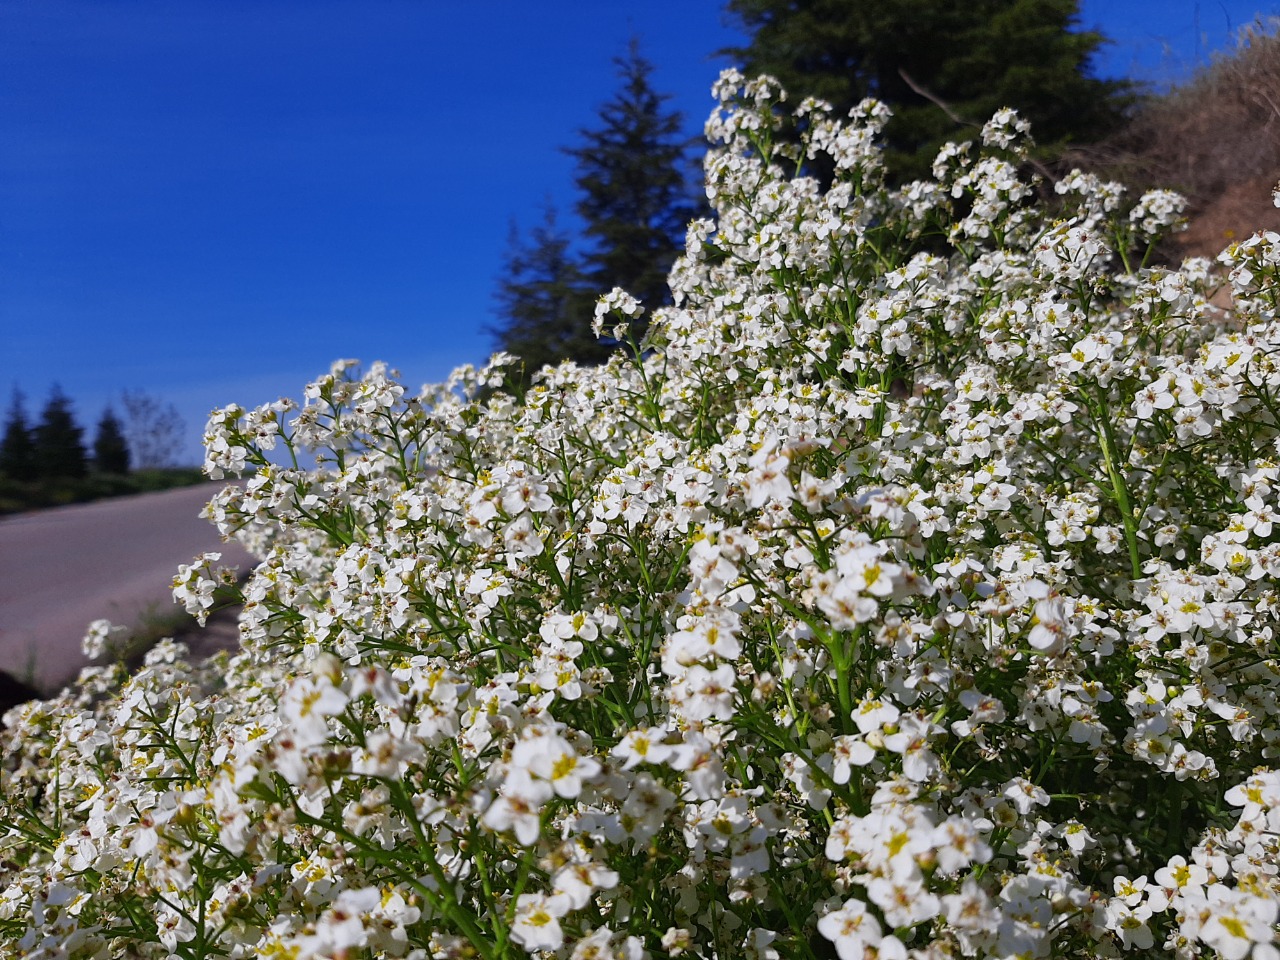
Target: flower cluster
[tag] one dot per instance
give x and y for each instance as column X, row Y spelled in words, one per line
column 908, row 592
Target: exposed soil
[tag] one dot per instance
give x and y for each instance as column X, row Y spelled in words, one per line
column 1237, row 213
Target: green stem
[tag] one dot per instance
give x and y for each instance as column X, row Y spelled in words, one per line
column 1119, row 489
column 844, row 655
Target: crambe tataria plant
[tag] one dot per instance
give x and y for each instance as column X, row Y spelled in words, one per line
column 908, row 592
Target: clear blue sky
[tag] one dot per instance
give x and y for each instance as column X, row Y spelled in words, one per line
column 211, row 200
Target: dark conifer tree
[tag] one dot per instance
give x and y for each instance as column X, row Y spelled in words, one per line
column 59, row 441
column 634, row 205
column 633, row 198
column 936, row 62
column 17, row 446
column 110, row 451
column 544, row 301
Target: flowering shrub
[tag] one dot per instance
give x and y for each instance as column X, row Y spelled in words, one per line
column 908, row 592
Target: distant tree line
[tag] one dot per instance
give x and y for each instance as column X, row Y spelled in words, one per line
column 942, row 67
column 53, row 447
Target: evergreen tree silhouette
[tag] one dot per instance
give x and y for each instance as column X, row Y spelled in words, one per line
column 59, row 441
column 634, row 205
column 17, row 446
column 110, row 451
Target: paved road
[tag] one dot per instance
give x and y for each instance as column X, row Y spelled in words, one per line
column 61, row 569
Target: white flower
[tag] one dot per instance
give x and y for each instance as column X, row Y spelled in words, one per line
column 100, row 638
column 912, row 741
column 1129, row 922
column 642, row 745
column 873, row 714
column 1182, row 877
column 849, row 752
column 537, row 921
column 578, row 881
column 1053, row 626
column 551, row 758
column 307, row 706
column 1233, row 922
column 767, row 480
column 903, row 900
column 1024, row 794
column 518, row 807
column 852, row 929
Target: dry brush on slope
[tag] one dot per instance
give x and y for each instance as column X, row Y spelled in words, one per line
column 1215, row 138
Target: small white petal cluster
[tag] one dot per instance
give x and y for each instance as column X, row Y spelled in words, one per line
column 909, row 592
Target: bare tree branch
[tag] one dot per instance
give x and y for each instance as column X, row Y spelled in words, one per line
column 936, row 101
column 154, row 430
column 945, row 107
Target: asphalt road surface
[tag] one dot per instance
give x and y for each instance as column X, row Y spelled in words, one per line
column 61, row 569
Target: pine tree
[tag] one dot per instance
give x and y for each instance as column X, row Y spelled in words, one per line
column 940, row 65
column 544, row 302
column 633, row 196
column 59, row 441
column 634, row 206
column 110, row 451
column 17, row 447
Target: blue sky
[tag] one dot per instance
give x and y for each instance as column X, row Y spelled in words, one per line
column 211, row 200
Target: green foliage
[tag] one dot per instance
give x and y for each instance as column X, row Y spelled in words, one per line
column 939, row 65
column 110, row 451
column 17, row 447
column 18, row 496
column 59, row 441
column 634, row 202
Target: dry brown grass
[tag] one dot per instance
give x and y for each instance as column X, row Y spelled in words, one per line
column 1216, row 139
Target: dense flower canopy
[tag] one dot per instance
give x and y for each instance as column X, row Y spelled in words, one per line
column 909, row 591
